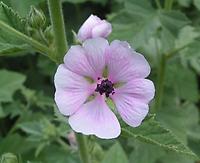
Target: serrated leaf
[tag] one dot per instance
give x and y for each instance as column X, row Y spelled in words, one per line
column 9, row 83
column 8, row 43
column 152, row 132
column 115, row 154
column 10, row 17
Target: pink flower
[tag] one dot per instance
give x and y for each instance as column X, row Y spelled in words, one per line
column 94, row 27
column 124, row 83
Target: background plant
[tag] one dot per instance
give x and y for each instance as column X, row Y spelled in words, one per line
column 166, row 32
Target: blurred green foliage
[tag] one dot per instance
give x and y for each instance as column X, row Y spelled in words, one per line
column 32, row 130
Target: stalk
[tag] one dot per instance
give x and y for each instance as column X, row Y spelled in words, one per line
column 83, row 150
column 57, row 22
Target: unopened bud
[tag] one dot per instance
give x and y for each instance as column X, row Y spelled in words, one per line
column 49, row 34
column 36, row 18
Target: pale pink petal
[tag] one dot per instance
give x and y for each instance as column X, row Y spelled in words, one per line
column 85, row 31
column 142, row 90
column 69, row 101
column 95, row 52
column 125, row 64
column 132, row 111
column 76, row 61
column 95, row 118
column 102, row 30
column 72, row 90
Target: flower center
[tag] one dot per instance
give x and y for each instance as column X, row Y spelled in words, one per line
column 106, row 86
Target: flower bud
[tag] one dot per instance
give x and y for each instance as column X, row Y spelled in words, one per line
column 49, row 34
column 37, row 18
column 94, row 27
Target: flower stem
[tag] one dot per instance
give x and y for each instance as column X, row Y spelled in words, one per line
column 35, row 44
column 160, row 83
column 83, row 150
column 57, row 22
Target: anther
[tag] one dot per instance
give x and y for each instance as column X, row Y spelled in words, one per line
column 106, row 87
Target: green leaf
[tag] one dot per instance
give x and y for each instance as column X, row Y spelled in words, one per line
column 197, row 4
column 152, row 132
column 33, row 128
column 2, row 114
column 115, row 154
column 173, row 158
column 191, row 55
column 184, row 84
column 185, row 3
column 173, row 20
column 8, row 43
column 39, row 130
column 56, row 154
column 11, row 18
column 138, row 22
column 9, row 83
column 23, row 7
column 186, row 36
column 153, row 154
column 150, row 153
column 15, row 144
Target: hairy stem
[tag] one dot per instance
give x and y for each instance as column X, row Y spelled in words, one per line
column 83, row 150
column 35, row 44
column 57, row 22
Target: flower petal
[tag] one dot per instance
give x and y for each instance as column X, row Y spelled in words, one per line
column 95, row 52
column 68, row 101
column 72, row 90
column 76, row 61
column 95, row 118
column 125, row 64
column 142, row 90
column 102, row 30
column 132, row 111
